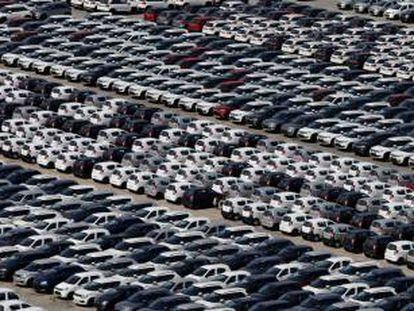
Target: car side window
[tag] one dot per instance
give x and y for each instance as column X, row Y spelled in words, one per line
column 13, row 296
column 210, row 273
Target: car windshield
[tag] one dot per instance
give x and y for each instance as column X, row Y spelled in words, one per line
column 200, row 272
column 73, row 279
column 323, row 264
column 174, row 240
column 339, row 290
column 93, row 286
column 182, row 224
column 320, row 283
column 364, row 296
column 41, row 225
column 79, row 236
column 26, row 242
column 310, row 303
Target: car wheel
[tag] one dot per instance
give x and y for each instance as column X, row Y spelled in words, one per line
column 140, row 190
column 30, row 283
column 91, row 302
column 400, row 261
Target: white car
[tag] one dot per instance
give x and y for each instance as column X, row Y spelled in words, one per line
column 137, row 181
column 312, row 229
column 175, row 191
column 396, row 194
column 88, row 235
column 396, row 252
column 67, row 288
column 292, row 223
column 120, row 176
column 207, row 272
column 349, row 290
column 87, row 295
column 324, row 283
column 371, row 296
column 102, row 171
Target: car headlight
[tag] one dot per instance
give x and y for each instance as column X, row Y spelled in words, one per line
column 43, row 283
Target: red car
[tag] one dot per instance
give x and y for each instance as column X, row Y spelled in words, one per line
column 396, row 99
column 21, row 35
column 197, row 24
column 228, row 86
column 151, row 16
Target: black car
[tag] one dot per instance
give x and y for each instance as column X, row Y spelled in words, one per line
column 272, row 179
column 6, row 170
column 165, row 303
column 91, row 130
column 46, row 281
column 241, row 259
column 393, row 303
column 57, row 186
column 189, row 140
column 20, row 176
column 90, row 77
column 8, row 190
column 83, row 166
column 380, row 276
column 306, row 276
column 320, row 301
column 234, row 169
column 273, row 245
column 374, row 246
column 142, row 299
column 254, row 282
column 108, row 300
column 403, row 232
column 14, row 236
column 200, row 198
column 85, row 210
column 122, row 223
column 363, row 220
column 274, row 290
column 295, row 297
column 354, row 240
column 363, row 146
column 189, row 265
column 401, row 284
column 18, row 261
column 74, row 126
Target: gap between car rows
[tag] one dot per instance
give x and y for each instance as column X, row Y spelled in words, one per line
column 309, row 146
